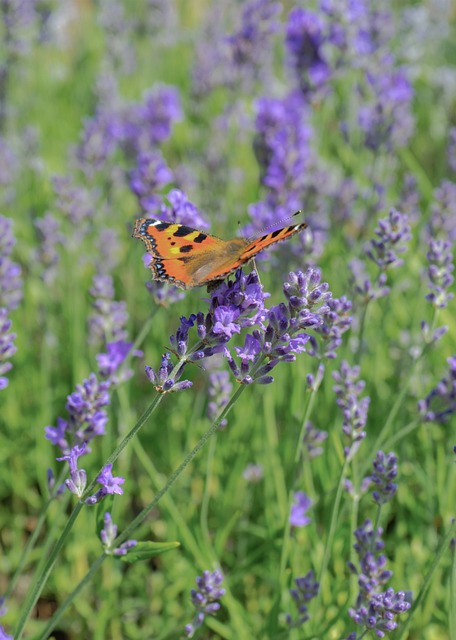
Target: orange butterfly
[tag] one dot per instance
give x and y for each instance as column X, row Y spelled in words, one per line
column 190, row 258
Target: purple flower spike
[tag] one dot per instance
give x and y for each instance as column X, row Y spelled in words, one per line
column 149, row 176
column 205, row 599
column 109, row 533
column 440, row 404
column 385, row 471
column 380, row 613
column 354, row 409
column 306, row 589
column 7, row 347
column 10, row 272
column 313, row 439
column 299, row 508
column 107, row 323
column 440, row 258
column 305, row 42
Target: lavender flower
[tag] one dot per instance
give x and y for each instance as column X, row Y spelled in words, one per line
column 312, row 440
column 253, row 473
column 9, row 164
column 110, row 362
column 387, row 119
column 7, row 347
column 4, row 635
column 451, row 150
column 385, row 471
column 108, row 535
column 77, row 481
column 299, row 508
column 10, row 272
column 248, row 47
column 440, row 404
column 393, row 234
column 148, row 123
column 150, row 175
column 440, row 258
column 98, row 141
column 219, row 391
column 380, row 614
column 442, row 224
column 86, row 417
column 306, row 589
column 108, row 322
column 109, row 485
column 205, row 599
column 75, row 202
column 118, row 29
column 372, row 575
column 335, row 322
column 305, row 40
column 354, row 409
column 162, row 380
column 282, row 148
column 49, row 237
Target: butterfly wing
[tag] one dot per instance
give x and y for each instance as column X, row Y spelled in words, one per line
column 184, row 256
column 190, row 258
column 257, row 245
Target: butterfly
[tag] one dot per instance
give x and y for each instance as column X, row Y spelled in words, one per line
column 190, row 258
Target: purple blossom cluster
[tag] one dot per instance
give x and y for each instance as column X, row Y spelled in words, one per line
column 10, row 297
column 380, row 614
column 219, row 391
column 7, row 347
column 301, row 504
column 341, row 38
column 306, row 38
column 108, row 535
column 376, row 610
column 10, row 272
column 205, row 599
column 240, row 59
column 384, row 472
column 49, row 239
column 393, row 235
column 282, row 331
column 440, row 272
column 109, row 317
column 440, row 403
column 354, row 407
column 313, row 439
column 306, row 589
column 282, row 148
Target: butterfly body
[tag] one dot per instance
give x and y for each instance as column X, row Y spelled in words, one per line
column 190, row 258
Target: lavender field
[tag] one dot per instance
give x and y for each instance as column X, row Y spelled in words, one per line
column 267, row 450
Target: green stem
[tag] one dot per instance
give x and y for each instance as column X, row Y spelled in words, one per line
column 428, row 579
column 36, row 532
column 64, row 606
column 128, row 531
column 175, row 475
column 37, row 588
column 332, row 529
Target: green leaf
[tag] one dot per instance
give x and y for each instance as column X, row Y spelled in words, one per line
column 146, row 550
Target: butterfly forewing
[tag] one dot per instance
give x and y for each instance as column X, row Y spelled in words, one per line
column 190, row 258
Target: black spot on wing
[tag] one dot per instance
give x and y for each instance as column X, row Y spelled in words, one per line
column 183, row 231
column 276, row 233
column 201, row 237
column 186, row 248
column 161, row 226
